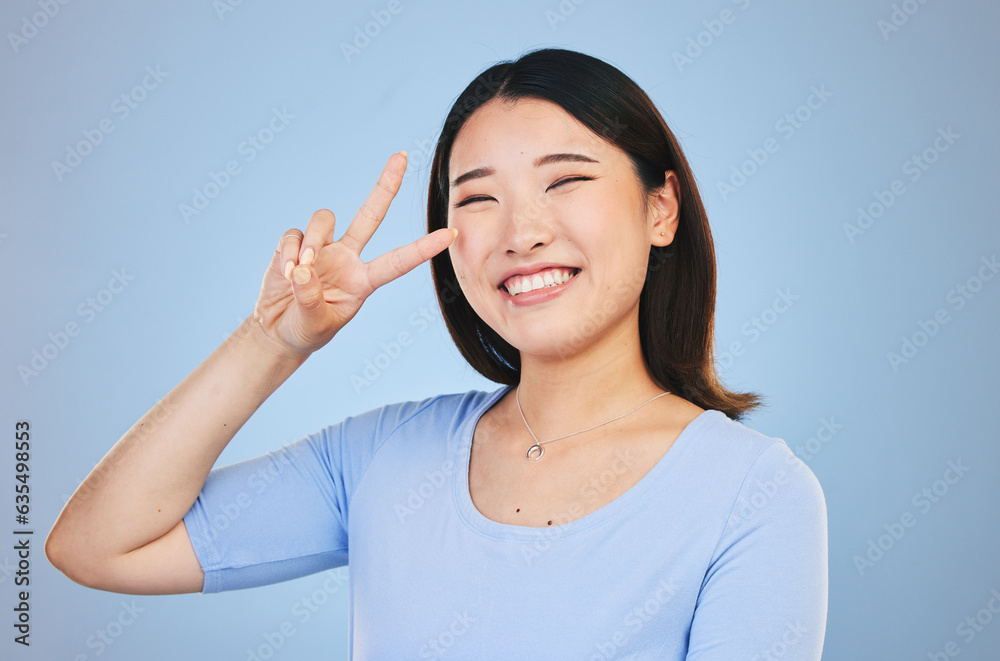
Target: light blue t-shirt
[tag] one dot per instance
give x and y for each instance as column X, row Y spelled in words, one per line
column 719, row 553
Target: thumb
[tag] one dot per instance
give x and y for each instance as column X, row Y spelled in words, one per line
column 307, row 289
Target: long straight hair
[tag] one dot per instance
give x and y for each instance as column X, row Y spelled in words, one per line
column 677, row 303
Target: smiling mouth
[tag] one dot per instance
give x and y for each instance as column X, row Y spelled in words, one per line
column 522, row 284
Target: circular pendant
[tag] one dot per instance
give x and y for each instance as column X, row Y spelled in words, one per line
column 532, row 449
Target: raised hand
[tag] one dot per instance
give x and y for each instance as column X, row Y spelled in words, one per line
column 315, row 285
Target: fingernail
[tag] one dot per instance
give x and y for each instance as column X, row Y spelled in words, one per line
column 404, row 154
column 454, row 232
column 301, row 274
column 289, row 265
column 307, row 257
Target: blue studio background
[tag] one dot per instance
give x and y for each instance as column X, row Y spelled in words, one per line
column 846, row 153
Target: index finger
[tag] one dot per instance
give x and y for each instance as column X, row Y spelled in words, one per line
column 374, row 208
column 386, row 268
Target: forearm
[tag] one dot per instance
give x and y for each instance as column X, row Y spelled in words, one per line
column 149, row 479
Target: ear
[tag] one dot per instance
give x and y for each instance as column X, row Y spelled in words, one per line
column 664, row 211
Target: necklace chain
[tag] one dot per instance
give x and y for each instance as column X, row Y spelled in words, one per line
column 538, row 444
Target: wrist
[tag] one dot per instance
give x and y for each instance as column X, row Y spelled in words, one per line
column 251, row 331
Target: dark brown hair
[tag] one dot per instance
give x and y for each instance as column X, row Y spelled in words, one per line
column 677, row 303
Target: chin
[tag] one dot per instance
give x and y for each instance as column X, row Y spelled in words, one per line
column 548, row 341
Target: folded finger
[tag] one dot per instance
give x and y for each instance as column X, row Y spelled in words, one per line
column 288, row 251
column 319, row 232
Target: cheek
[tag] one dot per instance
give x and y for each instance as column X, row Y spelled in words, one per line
column 458, row 260
column 474, row 242
column 467, row 259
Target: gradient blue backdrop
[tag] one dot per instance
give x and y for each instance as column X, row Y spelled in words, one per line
column 892, row 78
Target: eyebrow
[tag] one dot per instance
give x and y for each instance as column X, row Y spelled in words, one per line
column 479, row 173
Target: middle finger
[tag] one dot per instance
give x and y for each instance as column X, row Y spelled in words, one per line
column 374, row 208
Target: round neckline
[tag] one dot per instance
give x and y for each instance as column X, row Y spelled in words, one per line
column 632, row 498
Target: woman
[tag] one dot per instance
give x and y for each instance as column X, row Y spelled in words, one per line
column 604, row 503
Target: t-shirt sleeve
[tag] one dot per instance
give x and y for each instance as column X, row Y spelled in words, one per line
column 284, row 514
column 766, row 589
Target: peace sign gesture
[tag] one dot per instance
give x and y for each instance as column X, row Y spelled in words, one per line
column 315, row 285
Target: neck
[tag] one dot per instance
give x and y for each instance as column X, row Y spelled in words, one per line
column 603, row 380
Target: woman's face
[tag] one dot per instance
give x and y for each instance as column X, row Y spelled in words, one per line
column 554, row 228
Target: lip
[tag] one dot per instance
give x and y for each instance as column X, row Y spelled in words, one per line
column 530, row 269
column 536, row 295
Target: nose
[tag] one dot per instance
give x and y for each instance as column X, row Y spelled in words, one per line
column 527, row 226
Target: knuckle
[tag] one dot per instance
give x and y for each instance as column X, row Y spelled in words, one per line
column 368, row 212
column 385, row 183
column 349, row 239
column 322, row 215
column 286, row 237
column 396, row 261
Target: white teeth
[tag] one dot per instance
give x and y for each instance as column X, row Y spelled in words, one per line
column 520, row 284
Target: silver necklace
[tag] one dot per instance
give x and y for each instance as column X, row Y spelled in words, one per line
column 538, row 444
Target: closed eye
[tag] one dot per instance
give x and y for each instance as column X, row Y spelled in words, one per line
column 470, row 200
column 568, row 180
column 483, row 198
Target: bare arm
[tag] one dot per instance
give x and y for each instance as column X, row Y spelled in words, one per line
column 123, row 530
column 144, row 486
